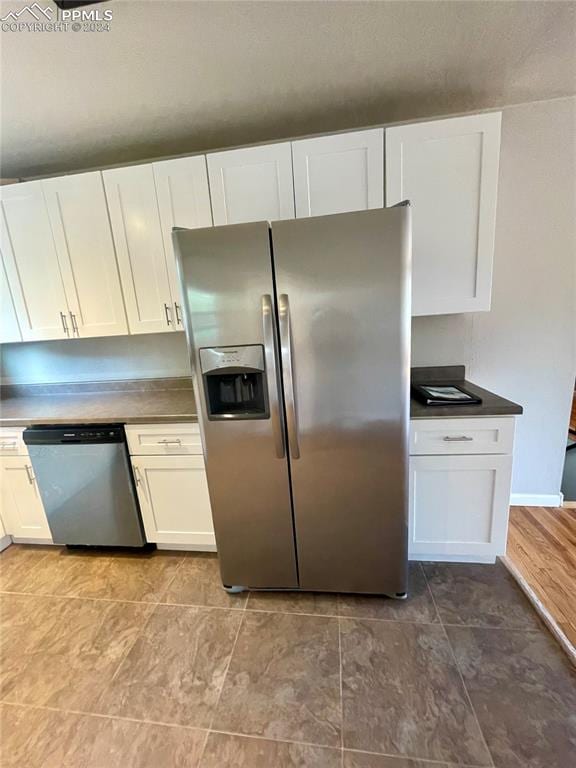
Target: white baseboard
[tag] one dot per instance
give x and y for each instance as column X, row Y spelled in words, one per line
column 454, row 558
column 536, row 499
column 187, row 547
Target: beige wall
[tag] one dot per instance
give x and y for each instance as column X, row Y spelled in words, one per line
column 524, row 348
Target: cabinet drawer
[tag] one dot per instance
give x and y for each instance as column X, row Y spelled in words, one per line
column 11, row 443
column 461, row 436
column 164, row 439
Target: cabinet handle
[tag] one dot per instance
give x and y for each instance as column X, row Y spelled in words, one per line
column 459, row 439
column 176, row 441
column 168, row 313
column 64, row 324
column 30, row 474
column 137, row 478
column 177, row 313
column 8, row 444
column 75, row 330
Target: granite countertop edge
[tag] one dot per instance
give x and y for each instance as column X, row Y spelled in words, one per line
column 146, row 419
column 164, row 401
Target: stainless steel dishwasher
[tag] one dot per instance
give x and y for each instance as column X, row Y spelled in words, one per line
column 85, row 480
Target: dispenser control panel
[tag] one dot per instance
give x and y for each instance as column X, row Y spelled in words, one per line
column 215, row 358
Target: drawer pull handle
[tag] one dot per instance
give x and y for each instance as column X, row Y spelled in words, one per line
column 459, row 439
column 177, row 441
column 8, row 444
column 30, row 474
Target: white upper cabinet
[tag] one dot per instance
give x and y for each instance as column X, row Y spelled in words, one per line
column 252, row 184
column 183, row 201
column 337, row 174
column 135, row 219
column 79, row 218
column 31, row 263
column 9, row 328
column 448, row 169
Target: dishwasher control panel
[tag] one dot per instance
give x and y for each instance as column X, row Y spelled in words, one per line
column 89, row 433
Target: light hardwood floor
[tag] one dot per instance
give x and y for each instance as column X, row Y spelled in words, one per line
column 542, row 547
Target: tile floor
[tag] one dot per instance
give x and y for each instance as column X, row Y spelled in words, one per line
column 122, row 661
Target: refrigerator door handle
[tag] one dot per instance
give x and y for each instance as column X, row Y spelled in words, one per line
column 272, row 369
column 288, row 374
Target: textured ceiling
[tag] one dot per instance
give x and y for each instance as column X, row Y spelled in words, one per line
column 176, row 76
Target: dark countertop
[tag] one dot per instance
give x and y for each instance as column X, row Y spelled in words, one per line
column 167, row 400
column 492, row 405
column 126, row 402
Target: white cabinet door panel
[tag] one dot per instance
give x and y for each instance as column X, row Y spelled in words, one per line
column 448, row 169
column 252, row 184
column 79, row 217
column 183, row 201
column 29, row 254
column 131, row 195
column 459, row 505
column 9, row 328
column 22, row 510
column 174, row 500
column 337, row 174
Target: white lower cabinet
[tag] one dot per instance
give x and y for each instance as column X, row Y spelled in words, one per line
column 174, row 500
column 170, row 476
column 22, row 510
column 458, row 506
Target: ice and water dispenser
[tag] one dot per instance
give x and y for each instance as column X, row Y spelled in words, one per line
column 235, row 382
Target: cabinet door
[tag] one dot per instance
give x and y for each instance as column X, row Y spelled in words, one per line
column 459, row 506
column 31, row 263
column 448, row 169
column 336, row 174
column 22, row 510
column 173, row 495
column 252, row 184
column 79, row 217
column 138, row 238
column 9, row 328
column 183, row 201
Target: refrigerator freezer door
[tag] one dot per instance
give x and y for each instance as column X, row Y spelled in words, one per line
column 344, row 309
column 226, row 274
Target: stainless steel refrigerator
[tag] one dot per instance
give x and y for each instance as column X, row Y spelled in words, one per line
column 299, row 336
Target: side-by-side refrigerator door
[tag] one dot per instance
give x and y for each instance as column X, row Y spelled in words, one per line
column 343, row 290
column 229, row 309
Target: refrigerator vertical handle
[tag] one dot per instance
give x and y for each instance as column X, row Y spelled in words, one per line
column 272, row 373
column 288, row 374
